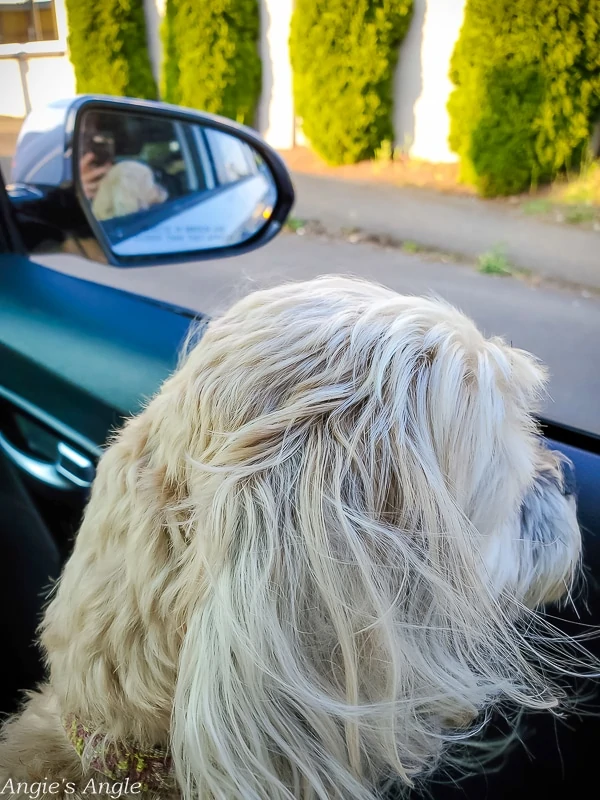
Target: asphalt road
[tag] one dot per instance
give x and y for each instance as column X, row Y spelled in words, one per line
column 452, row 223
column 561, row 327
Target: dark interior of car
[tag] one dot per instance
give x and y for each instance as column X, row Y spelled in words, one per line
column 155, row 143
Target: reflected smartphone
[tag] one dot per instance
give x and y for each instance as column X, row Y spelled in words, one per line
column 102, row 145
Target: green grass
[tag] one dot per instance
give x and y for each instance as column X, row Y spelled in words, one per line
column 578, row 214
column 582, row 189
column 294, row 224
column 410, row 247
column 385, row 152
column 537, row 206
column 571, row 213
column 494, row 262
column 574, row 199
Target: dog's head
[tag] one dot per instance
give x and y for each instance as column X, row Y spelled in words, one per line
column 307, row 559
column 128, row 187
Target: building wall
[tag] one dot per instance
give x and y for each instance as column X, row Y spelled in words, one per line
column 275, row 117
column 32, row 80
column 422, row 86
column 12, row 101
column 35, row 73
column 154, row 11
column 49, row 78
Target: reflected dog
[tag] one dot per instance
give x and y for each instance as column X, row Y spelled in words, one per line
column 128, row 187
column 307, row 566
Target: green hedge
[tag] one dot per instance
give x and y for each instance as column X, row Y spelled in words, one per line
column 343, row 55
column 108, row 48
column 527, row 78
column 211, row 59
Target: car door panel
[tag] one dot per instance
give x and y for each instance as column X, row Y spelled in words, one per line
column 587, row 471
column 86, row 354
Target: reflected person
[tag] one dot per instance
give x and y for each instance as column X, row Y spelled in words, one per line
column 114, row 188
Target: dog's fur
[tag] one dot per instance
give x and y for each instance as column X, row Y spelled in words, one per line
column 127, row 187
column 309, row 563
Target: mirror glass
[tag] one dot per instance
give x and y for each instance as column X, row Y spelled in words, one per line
column 159, row 186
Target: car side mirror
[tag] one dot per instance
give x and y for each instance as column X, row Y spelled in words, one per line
column 135, row 183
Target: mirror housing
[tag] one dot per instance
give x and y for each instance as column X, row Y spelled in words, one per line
column 56, row 213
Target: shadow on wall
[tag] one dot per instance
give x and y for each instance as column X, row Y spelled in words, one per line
column 263, row 112
column 24, row 71
column 408, row 81
column 154, row 11
column 595, row 140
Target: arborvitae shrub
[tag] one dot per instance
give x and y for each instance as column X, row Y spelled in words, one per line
column 343, row 55
column 527, row 78
column 108, row 48
column 211, row 59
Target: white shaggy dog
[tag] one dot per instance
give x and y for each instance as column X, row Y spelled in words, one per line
column 127, row 187
column 308, row 564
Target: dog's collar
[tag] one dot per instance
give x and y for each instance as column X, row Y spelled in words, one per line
column 153, row 769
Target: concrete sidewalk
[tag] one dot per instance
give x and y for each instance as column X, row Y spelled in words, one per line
column 462, row 225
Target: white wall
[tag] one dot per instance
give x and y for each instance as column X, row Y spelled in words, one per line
column 422, row 86
column 275, row 118
column 49, row 78
column 12, row 100
column 33, row 80
column 154, row 11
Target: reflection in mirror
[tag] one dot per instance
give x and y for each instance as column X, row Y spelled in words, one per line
column 159, row 186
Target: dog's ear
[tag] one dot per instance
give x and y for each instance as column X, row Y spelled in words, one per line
column 521, row 374
column 112, row 634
